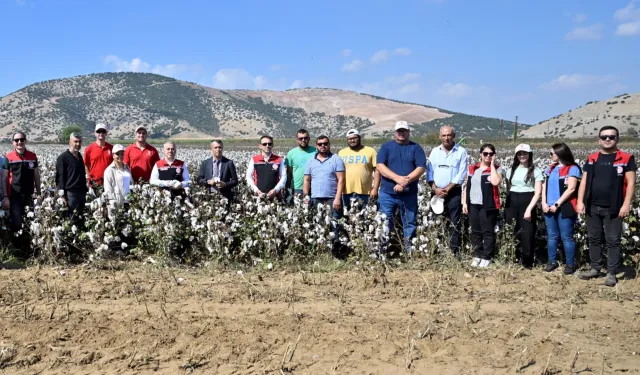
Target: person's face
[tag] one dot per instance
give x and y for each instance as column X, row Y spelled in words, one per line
column 554, row 157
column 141, row 135
column 75, row 143
column 302, row 139
column 447, row 137
column 216, row 150
column 266, row 145
column 523, row 157
column 353, row 141
column 118, row 156
column 19, row 142
column 323, row 145
column 608, row 139
column 101, row 134
column 169, row 151
column 487, row 155
column 402, row 134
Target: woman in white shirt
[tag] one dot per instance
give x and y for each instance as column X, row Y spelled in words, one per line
column 117, row 178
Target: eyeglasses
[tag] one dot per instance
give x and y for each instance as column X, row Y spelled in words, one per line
column 488, row 153
column 101, row 131
column 303, row 138
column 18, row 140
column 551, row 153
column 521, row 154
column 352, row 139
column 267, row 144
column 608, row 137
column 321, row 144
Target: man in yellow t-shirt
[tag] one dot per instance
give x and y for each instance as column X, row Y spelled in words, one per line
column 362, row 181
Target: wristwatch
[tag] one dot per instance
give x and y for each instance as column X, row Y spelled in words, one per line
column 556, row 204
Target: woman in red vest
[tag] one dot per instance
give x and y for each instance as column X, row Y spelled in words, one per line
column 559, row 199
column 481, row 201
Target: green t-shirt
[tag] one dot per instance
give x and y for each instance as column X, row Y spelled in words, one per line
column 518, row 185
column 297, row 159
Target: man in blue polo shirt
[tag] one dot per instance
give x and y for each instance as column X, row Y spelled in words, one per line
column 446, row 172
column 401, row 163
column 324, row 179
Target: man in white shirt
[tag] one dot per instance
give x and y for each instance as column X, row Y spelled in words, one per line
column 170, row 173
column 266, row 173
column 446, row 172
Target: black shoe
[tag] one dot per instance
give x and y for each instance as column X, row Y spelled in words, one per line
column 569, row 269
column 551, row 267
column 588, row 275
column 611, row 280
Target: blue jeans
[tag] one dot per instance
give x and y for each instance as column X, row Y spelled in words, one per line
column 346, row 199
column 559, row 227
column 408, row 206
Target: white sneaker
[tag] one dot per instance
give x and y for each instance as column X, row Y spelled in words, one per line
column 484, row 263
column 475, row 262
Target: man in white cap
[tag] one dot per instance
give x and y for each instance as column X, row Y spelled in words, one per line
column 401, row 163
column 360, row 166
column 141, row 156
column 446, row 171
column 98, row 156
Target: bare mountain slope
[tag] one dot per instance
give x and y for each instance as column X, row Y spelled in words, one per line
column 622, row 111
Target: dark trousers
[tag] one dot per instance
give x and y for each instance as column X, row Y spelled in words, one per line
column 525, row 230
column 76, row 201
column 600, row 223
column 483, row 235
column 453, row 212
column 18, row 203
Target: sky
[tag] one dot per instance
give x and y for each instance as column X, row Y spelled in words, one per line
column 499, row 58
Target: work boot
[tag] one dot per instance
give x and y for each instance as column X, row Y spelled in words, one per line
column 588, row 275
column 611, row 280
column 569, row 269
column 551, row 266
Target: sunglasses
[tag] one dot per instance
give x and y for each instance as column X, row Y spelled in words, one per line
column 321, row 144
column 551, row 153
column 303, row 138
column 488, row 153
column 267, row 144
column 352, row 139
column 18, row 140
column 608, row 137
column 101, row 131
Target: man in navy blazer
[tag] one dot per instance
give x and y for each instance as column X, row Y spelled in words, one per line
column 218, row 173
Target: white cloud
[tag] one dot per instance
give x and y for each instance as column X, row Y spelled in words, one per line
column 402, row 51
column 628, row 13
column 580, row 18
column 296, row 84
column 260, row 82
column 353, row 66
column 628, row 29
column 139, row 66
column 346, row 52
column 409, row 89
column 575, row 81
column 593, row 32
column 455, row 90
column 391, row 87
column 407, row 77
column 275, row 67
column 228, row 79
column 380, row 56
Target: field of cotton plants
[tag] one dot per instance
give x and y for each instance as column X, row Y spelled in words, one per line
column 185, row 287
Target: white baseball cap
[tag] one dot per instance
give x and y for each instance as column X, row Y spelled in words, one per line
column 102, row 126
column 117, row 148
column 141, row 127
column 353, row 132
column 401, row 125
column 523, row 147
column 437, row 204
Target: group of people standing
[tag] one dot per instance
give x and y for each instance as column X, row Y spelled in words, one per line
column 602, row 191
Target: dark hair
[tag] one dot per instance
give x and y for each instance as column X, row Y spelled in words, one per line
column 489, row 146
column 322, row 137
column 16, row 133
column 564, row 153
column 270, row 138
column 218, row 141
column 530, row 168
column 302, row 131
column 609, row 127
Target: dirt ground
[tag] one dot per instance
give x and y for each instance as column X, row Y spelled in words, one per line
column 142, row 319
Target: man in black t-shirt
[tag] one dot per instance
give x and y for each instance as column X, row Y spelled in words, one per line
column 605, row 194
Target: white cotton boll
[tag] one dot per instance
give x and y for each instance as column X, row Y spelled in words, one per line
column 635, row 238
column 74, row 229
column 496, row 229
column 124, row 245
column 270, row 266
column 30, row 214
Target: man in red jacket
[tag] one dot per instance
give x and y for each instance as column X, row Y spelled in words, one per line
column 141, row 156
column 97, row 156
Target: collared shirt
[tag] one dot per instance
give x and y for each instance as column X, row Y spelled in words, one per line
column 70, row 173
column 155, row 175
column 97, row 159
column 141, row 161
column 324, row 181
column 281, row 182
column 445, row 167
column 215, row 169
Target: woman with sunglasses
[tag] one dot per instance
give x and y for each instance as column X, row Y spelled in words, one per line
column 481, row 201
column 524, row 187
column 559, row 200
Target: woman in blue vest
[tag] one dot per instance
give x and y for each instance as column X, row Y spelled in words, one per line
column 481, row 201
column 559, row 199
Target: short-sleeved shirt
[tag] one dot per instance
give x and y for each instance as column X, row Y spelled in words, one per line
column 324, row 181
column 449, row 167
column 297, row 159
column 97, row 159
column 401, row 159
column 21, row 169
column 359, row 167
column 519, row 184
column 141, row 161
column 553, row 186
